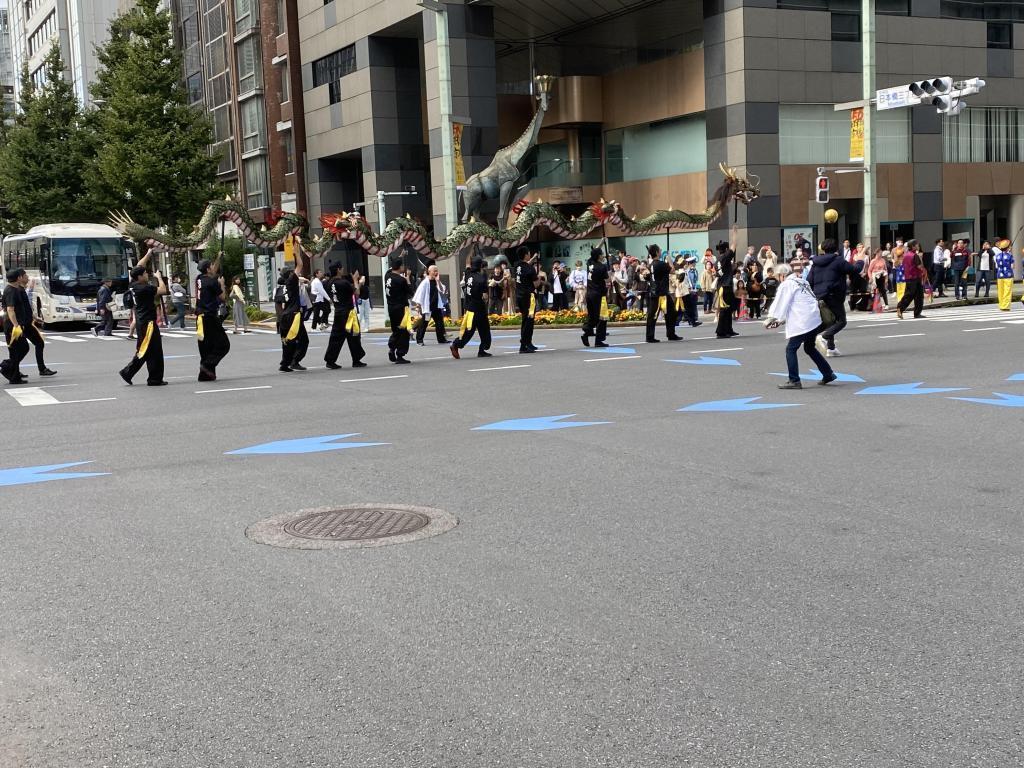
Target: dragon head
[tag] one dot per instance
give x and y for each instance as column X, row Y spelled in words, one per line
column 343, row 224
column 743, row 188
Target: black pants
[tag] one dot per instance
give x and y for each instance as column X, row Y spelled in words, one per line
column 725, row 311
column 883, row 293
column 982, row 276
column 912, row 292
column 214, row 346
column 421, row 330
column 754, row 305
column 154, row 357
column 939, row 279
column 482, row 325
column 838, row 308
column 292, row 351
column 399, row 340
column 652, row 315
column 31, row 334
column 594, row 325
column 339, row 335
column 321, row 312
column 561, row 302
column 526, row 334
column 690, row 308
column 16, row 352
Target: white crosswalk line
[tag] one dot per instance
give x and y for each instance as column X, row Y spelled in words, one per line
column 53, row 337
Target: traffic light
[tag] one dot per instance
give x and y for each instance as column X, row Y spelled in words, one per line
column 923, row 89
column 821, row 189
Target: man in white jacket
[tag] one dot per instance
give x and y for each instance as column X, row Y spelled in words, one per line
column 796, row 306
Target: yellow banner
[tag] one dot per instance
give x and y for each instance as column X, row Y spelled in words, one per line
column 289, row 250
column 460, row 168
column 856, row 135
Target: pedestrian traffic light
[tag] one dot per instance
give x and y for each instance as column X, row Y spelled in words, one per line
column 821, row 189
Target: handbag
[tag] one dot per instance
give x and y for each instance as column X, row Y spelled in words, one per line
column 828, row 317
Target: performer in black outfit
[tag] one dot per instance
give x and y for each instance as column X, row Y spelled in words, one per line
column 597, row 299
column 18, row 315
column 294, row 341
column 397, row 293
column 726, row 260
column 475, row 318
column 660, row 301
column 526, row 296
column 213, row 342
column 346, row 321
column 149, row 350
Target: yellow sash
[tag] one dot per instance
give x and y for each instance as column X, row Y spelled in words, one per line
column 533, row 304
column 679, row 304
column 200, row 334
column 352, row 324
column 663, row 303
column 293, row 332
column 901, row 288
column 144, row 346
column 406, row 321
column 604, row 308
column 1004, row 289
column 467, row 322
column 16, row 333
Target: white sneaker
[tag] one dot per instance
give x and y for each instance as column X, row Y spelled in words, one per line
column 821, row 344
column 833, row 353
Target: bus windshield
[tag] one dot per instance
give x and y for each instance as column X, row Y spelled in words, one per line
column 86, row 262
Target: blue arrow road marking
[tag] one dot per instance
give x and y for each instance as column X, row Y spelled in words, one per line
column 26, row 475
column 304, row 445
column 1016, row 377
column 913, row 388
column 815, row 375
column 732, row 406
column 608, row 350
column 1006, row 401
column 703, row 360
column 537, row 424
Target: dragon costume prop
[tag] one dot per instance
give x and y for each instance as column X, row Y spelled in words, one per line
column 409, row 232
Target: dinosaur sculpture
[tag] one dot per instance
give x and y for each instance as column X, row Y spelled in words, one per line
column 498, row 180
column 406, row 231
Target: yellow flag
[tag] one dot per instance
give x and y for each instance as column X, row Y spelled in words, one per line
column 293, row 332
column 406, row 320
column 200, row 334
column 352, row 324
column 16, row 333
column 604, row 308
column 663, row 304
column 144, row 346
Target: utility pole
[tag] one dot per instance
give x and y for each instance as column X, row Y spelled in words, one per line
column 869, row 225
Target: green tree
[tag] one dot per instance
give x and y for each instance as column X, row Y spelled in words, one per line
column 41, row 158
column 152, row 149
column 233, row 262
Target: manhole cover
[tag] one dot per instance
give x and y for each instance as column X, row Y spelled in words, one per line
column 355, row 525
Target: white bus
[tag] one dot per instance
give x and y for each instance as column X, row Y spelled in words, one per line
column 66, row 264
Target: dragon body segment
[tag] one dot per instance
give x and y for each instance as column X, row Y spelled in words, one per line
column 409, row 232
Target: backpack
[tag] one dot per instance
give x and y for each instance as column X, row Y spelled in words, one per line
column 128, row 300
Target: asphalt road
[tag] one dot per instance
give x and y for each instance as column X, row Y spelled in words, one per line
column 833, row 584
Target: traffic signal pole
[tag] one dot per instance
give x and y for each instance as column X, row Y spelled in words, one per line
column 869, row 225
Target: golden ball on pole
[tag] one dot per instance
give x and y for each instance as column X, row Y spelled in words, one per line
column 831, row 216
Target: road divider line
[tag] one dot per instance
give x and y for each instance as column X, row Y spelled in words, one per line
column 499, row 368
column 375, row 378
column 231, row 389
column 606, row 359
column 901, row 336
column 993, row 328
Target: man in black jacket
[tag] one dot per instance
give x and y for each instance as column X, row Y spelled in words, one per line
column 397, row 294
column 661, row 301
column 475, row 318
column 828, row 281
column 727, row 298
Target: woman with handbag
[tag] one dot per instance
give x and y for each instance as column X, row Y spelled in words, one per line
column 238, row 307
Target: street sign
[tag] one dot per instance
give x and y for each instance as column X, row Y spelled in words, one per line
column 249, row 262
column 895, row 98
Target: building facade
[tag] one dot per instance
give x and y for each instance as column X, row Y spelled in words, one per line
column 8, row 74
column 652, row 96
column 77, row 26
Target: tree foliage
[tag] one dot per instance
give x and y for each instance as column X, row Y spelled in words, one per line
column 152, row 149
column 42, row 156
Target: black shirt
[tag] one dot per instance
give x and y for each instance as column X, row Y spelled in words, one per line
column 16, row 298
column 208, row 293
column 291, row 294
column 660, row 272
column 144, row 295
column 477, row 292
column 526, row 275
column 597, row 277
column 725, row 270
column 434, row 296
column 397, row 290
column 342, row 293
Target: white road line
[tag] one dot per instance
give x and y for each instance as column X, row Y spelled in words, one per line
column 616, row 357
column 901, row 335
column 231, row 389
column 30, row 396
column 724, row 349
column 975, row 330
column 498, row 368
column 1013, row 322
column 375, row 378
column 179, row 335
column 875, row 325
column 627, row 343
column 55, row 337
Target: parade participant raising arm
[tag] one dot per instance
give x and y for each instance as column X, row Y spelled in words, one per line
column 726, row 296
column 294, row 341
column 149, row 349
column 527, row 281
column 213, row 341
column 596, row 323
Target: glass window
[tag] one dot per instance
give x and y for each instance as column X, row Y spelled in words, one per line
column 288, row 145
column 194, row 85
column 665, row 148
column 813, row 134
column 846, row 27
column 334, row 66
column 249, row 65
column 256, row 194
column 1000, row 35
column 247, row 15
column 285, row 93
column 254, row 125
column 984, row 135
column 282, row 17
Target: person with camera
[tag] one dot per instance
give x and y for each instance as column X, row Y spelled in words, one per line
column 149, row 350
column 527, row 281
column 726, row 296
column 596, row 303
column 474, row 319
column 213, row 341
